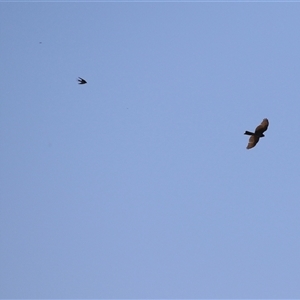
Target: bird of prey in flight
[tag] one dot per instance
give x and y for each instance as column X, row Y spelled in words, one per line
column 81, row 80
column 259, row 132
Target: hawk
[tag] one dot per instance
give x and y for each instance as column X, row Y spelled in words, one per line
column 81, row 80
column 259, row 132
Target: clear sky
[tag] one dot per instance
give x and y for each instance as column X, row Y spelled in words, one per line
column 138, row 184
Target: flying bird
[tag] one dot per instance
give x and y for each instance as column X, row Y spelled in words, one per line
column 259, row 132
column 81, row 80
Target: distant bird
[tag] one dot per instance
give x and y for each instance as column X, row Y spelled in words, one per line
column 259, row 132
column 81, row 81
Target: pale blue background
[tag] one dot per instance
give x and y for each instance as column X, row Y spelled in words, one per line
column 138, row 184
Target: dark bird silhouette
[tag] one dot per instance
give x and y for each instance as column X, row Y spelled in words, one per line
column 259, row 132
column 81, row 81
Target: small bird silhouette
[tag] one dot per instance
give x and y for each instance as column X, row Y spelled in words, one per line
column 259, row 132
column 81, row 81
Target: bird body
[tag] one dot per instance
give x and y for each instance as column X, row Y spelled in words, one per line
column 259, row 132
column 81, row 80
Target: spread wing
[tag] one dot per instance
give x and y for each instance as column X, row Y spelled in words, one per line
column 260, row 129
column 253, row 140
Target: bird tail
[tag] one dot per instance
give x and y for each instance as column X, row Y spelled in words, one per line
column 248, row 133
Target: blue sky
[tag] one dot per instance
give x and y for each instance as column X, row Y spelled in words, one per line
column 138, row 184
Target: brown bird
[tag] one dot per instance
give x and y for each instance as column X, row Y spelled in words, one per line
column 81, row 80
column 259, row 132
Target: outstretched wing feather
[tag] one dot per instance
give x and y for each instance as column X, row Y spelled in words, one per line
column 253, row 140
